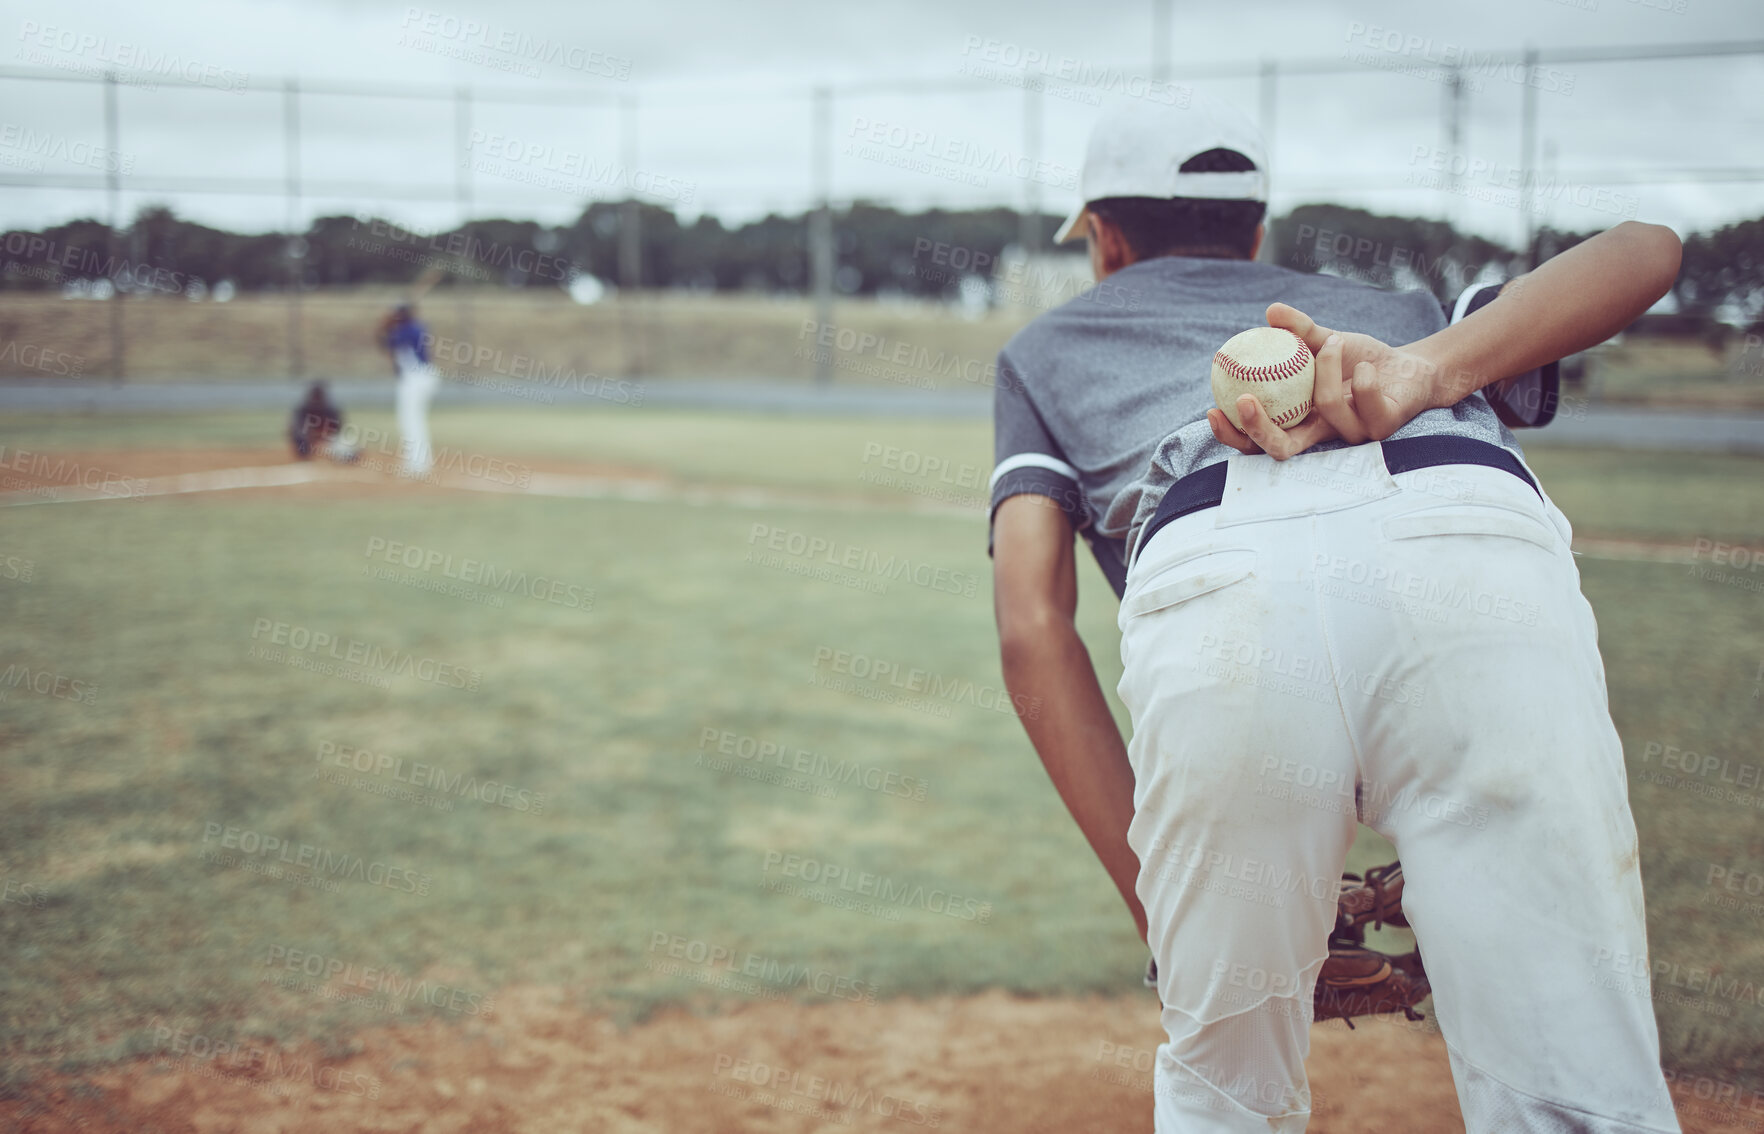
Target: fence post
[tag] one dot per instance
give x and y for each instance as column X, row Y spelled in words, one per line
column 820, row 228
column 1270, row 93
column 635, row 333
column 113, row 188
column 1454, row 132
column 462, row 195
column 295, row 249
column 1029, row 222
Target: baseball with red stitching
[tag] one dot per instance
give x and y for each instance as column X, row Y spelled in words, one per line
column 1270, row 363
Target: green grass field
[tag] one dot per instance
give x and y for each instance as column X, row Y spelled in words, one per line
column 661, row 336
column 122, row 910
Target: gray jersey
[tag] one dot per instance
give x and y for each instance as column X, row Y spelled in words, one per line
column 1101, row 403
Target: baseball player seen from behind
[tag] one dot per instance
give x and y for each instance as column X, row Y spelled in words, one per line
column 1372, row 616
column 405, row 339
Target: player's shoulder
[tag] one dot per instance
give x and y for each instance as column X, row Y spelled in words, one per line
column 1129, row 294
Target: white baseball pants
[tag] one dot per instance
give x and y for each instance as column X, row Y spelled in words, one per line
column 417, row 382
column 1334, row 642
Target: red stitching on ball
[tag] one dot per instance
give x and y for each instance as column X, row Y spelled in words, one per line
column 1293, row 415
column 1272, row 372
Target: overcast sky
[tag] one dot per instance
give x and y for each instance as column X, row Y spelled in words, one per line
column 723, row 121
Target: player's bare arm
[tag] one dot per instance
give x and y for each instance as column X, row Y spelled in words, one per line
column 1567, row 304
column 1035, row 596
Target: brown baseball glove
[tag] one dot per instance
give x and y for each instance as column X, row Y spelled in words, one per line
column 1356, row 980
column 1375, row 897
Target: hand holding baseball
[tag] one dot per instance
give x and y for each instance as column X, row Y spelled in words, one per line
column 1387, row 389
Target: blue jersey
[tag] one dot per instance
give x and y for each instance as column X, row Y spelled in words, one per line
column 409, row 335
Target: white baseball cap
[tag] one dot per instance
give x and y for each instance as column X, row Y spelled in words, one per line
column 1137, row 150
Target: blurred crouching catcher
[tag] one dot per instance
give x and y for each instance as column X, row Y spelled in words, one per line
column 316, row 426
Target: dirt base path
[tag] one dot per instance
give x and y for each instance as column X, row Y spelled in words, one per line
column 984, row 1063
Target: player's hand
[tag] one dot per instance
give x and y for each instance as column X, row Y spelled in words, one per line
column 1261, row 435
column 1365, row 390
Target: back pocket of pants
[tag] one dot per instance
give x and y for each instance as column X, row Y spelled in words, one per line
column 1474, row 520
column 1189, row 579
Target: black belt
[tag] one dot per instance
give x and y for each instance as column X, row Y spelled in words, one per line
column 1205, row 488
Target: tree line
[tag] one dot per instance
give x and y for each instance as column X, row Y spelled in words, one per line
column 878, row 251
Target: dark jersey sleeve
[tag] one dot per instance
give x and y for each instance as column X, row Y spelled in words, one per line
column 1026, row 459
column 1528, row 400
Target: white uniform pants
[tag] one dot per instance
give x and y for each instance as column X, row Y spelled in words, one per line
column 417, row 381
column 1334, row 642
